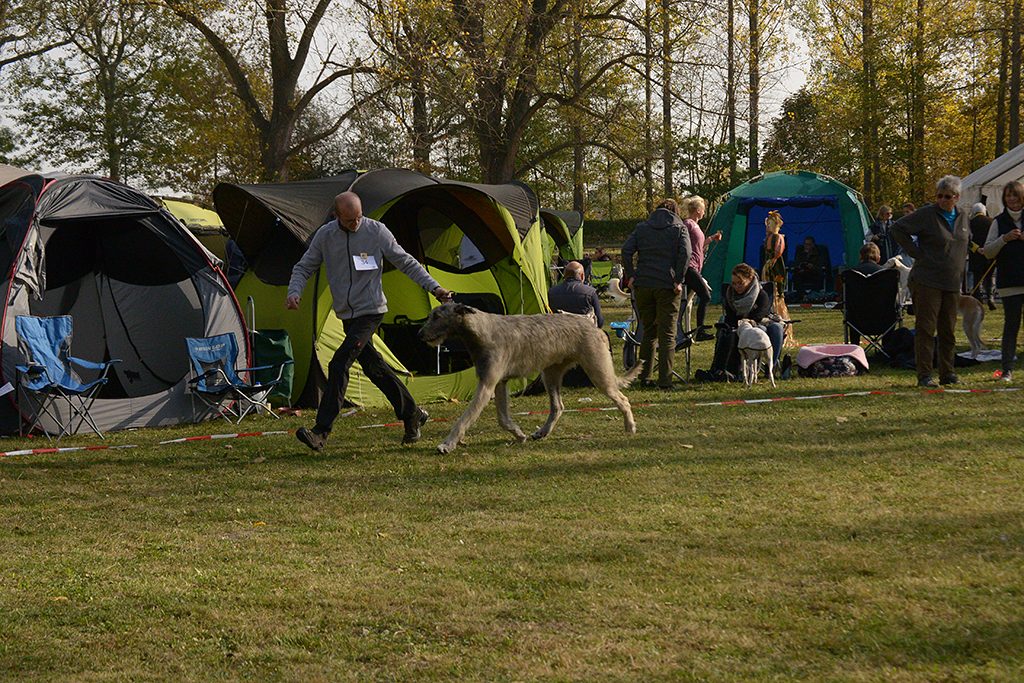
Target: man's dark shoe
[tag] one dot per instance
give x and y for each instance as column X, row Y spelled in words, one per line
column 704, row 336
column 314, row 440
column 648, row 384
column 950, row 379
column 413, row 424
column 927, row 382
column 670, row 387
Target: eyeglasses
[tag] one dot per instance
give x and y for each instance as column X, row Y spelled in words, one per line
column 946, row 196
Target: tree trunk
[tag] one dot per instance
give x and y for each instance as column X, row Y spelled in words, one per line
column 422, row 138
column 730, row 93
column 1004, row 67
column 755, row 86
column 868, row 143
column 576, row 128
column 915, row 176
column 666, row 98
column 1015, row 60
column 648, row 103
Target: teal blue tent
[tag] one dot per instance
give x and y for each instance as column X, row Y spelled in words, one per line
column 810, row 204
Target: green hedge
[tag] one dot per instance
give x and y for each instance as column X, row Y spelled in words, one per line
column 608, row 234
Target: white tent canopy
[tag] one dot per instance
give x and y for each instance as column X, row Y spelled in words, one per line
column 986, row 184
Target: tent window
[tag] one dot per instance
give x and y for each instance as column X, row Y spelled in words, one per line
column 15, row 213
column 123, row 249
column 431, row 224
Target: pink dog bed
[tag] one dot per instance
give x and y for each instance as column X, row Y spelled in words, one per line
column 809, row 355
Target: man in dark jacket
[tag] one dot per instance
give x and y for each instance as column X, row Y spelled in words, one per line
column 661, row 247
column 572, row 295
column 940, row 256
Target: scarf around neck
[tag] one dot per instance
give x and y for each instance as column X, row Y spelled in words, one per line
column 743, row 303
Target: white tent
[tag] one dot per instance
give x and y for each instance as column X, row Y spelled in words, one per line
column 986, row 184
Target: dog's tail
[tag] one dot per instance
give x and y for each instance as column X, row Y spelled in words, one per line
column 633, row 373
column 615, row 291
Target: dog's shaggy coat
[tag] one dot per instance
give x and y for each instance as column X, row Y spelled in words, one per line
column 505, row 347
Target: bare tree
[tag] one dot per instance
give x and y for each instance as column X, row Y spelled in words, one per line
column 276, row 120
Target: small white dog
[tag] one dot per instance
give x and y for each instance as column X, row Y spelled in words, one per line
column 897, row 263
column 753, row 345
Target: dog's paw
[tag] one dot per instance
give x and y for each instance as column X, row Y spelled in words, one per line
column 631, row 428
column 539, row 434
column 446, row 447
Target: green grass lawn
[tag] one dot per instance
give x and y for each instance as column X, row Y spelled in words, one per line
column 860, row 538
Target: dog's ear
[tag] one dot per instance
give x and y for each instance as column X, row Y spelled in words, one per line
column 463, row 309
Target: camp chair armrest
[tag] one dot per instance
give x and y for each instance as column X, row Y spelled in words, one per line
column 267, row 367
column 34, row 367
column 279, row 366
column 208, row 374
column 89, row 365
column 35, row 370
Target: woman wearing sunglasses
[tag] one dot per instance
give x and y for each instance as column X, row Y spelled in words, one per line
column 936, row 237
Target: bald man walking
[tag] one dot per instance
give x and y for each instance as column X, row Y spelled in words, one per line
column 353, row 248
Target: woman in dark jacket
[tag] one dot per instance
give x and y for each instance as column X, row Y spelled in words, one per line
column 1005, row 244
column 745, row 299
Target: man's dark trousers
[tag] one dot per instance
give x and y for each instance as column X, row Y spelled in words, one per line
column 358, row 343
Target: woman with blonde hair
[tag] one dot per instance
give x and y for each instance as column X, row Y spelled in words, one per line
column 774, row 269
column 693, row 208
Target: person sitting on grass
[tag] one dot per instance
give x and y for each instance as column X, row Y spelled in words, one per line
column 744, row 298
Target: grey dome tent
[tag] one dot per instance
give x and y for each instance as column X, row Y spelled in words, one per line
column 134, row 280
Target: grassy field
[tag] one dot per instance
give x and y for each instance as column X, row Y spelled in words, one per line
column 859, row 538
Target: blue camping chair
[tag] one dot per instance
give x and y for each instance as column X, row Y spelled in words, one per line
column 48, row 379
column 216, row 383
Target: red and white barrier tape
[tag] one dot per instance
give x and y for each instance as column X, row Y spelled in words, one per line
column 529, row 412
column 856, row 393
column 790, row 398
column 39, row 451
column 222, row 436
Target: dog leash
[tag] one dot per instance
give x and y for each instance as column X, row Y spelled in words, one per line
column 982, row 278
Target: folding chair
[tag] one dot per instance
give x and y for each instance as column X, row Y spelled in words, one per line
column 49, row 379
column 216, row 383
column 870, row 305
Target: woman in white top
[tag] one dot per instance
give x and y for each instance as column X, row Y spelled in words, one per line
column 1005, row 244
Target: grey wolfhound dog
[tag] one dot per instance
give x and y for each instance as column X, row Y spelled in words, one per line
column 505, row 347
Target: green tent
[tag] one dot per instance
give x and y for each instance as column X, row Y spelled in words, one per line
column 810, row 204
column 563, row 231
column 483, row 242
column 206, row 225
